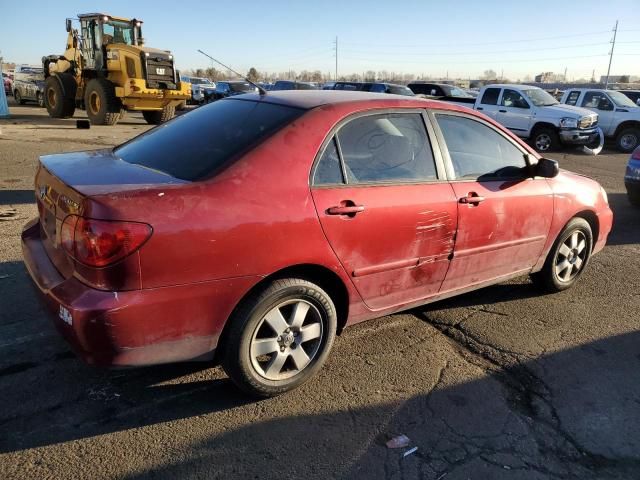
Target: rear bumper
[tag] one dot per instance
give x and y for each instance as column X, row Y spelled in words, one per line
column 131, row 328
column 578, row 137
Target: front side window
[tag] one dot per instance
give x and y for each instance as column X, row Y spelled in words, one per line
column 117, row 32
column 478, row 152
column 511, row 98
column 197, row 145
column 386, row 148
column 597, row 100
column 490, row 96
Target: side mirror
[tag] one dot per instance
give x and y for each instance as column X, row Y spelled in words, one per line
column 605, row 105
column 68, row 25
column 547, row 168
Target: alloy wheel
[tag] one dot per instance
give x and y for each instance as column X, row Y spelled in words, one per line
column 286, row 340
column 571, row 256
column 543, row 142
column 628, row 141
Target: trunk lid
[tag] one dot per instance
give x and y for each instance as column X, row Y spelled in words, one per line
column 66, row 184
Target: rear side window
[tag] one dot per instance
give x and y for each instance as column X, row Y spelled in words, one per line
column 386, row 148
column 198, row 144
column 478, row 152
column 490, row 96
column 329, row 171
column 572, row 99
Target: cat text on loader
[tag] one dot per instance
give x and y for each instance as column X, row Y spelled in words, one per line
column 107, row 70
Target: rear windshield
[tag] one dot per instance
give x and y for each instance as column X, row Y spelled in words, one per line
column 198, row 144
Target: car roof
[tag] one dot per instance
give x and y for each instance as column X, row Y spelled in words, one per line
column 308, row 99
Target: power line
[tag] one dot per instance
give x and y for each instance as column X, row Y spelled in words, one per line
column 481, row 61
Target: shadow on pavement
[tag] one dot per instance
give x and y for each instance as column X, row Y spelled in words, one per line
column 626, row 221
column 14, row 197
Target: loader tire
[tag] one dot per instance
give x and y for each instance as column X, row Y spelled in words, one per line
column 60, row 95
column 103, row 107
column 156, row 117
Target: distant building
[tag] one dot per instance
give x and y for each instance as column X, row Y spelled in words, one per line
column 616, row 78
column 549, row 77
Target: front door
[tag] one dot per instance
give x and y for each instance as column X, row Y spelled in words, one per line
column 514, row 112
column 604, row 106
column 504, row 214
column 387, row 214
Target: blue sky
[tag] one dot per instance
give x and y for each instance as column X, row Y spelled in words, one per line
column 463, row 38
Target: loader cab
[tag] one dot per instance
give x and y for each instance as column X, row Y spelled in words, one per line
column 99, row 30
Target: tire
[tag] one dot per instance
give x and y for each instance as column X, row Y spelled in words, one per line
column 634, row 198
column 545, row 139
column 103, row 107
column 18, row 98
column 60, row 95
column 275, row 371
column 628, row 139
column 568, row 251
column 156, row 117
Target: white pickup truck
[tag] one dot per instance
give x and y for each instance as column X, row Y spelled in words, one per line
column 619, row 116
column 533, row 114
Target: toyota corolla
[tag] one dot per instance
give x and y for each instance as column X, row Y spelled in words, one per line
column 294, row 215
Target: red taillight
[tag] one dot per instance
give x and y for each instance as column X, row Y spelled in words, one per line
column 636, row 154
column 98, row 243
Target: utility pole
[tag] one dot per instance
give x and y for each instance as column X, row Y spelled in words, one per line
column 336, row 49
column 615, row 32
column 564, row 79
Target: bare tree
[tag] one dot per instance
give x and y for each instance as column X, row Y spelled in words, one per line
column 489, row 75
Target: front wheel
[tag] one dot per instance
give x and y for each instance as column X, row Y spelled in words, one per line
column 545, row 140
column 156, row 117
column 279, row 337
column 103, row 107
column 628, row 139
column 567, row 258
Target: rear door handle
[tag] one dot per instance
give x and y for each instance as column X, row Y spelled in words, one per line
column 502, row 111
column 479, row 108
column 346, row 210
column 472, row 198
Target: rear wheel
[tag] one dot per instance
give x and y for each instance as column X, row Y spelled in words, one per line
column 568, row 257
column 279, row 337
column 60, row 95
column 156, row 117
column 103, row 107
column 545, row 139
column 628, row 139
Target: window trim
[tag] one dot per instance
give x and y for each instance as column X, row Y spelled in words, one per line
column 445, row 149
column 441, row 172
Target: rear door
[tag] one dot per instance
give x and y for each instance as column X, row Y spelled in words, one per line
column 504, row 214
column 488, row 102
column 385, row 207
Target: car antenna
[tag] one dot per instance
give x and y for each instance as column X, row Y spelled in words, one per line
column 260, row 89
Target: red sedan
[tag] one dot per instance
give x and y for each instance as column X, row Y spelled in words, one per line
column 259, row 226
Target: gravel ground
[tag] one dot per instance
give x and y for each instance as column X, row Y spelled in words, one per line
column 499, row 383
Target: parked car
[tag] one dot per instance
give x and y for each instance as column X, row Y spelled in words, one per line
column 375, row 87
column 632, row 178
column 229, row 89
column 634, row 95
column 293, row 85
column 256, row 227
column 533, row 114
column 619, row 117
column 438, row 90
column 200, row 88
column 28, row 84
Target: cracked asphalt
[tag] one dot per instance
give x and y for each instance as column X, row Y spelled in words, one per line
column 502, row 383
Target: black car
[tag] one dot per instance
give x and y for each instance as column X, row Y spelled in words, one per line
column 634, row 95
column 292, row 85
column 438, row 90
column 229, row 89
column 375, row 87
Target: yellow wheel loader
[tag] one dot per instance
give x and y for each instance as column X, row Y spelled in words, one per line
column 106, row 70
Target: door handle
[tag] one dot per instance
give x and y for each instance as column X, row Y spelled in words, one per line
column 479, row 108
column 502, row 111
column 472, row 199
column 345, row 210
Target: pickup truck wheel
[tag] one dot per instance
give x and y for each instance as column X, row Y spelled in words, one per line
column 279, row 337
column 628, row 139
column 545, row 139
column 567, row 258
